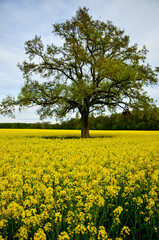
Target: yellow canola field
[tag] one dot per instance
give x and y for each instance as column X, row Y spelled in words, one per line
column 53, row 186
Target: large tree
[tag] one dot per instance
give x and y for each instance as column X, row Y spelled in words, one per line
column 95, row 67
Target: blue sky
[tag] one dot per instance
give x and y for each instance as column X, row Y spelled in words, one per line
column 21, row 20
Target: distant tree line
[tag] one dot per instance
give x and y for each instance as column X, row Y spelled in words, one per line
column 135, row 120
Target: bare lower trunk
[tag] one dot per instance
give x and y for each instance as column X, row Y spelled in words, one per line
column 84, row 125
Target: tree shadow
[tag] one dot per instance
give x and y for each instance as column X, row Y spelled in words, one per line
column 73, row 137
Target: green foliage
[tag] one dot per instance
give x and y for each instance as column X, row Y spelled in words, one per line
column 94, row 68
column 140, row 120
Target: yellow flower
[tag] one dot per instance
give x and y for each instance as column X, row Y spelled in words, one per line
column 40, row 235
column 76, row 184
column 102, row 234
column 3, row 223
column 22, row 233
column 47, row 227
column 63, row 236
column 58, row 217
column 80, row 228
column 118, row 211
column 92, row 229
column 125, row 231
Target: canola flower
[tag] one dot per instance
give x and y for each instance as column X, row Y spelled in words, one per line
column 56, row 187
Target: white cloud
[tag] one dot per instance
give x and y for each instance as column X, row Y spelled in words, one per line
column 27, row 116
column 10, row 56
column 154, row 92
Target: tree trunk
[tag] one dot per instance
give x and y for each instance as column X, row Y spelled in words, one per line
column 84, row 125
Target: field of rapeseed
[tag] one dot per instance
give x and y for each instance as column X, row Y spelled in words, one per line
column 56, row 187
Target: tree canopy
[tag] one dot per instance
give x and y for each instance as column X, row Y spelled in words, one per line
column 94, row 68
